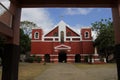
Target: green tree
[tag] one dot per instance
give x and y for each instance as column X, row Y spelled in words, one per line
column 27, row 27
column 25, row 42
column 105, row 36
column 25, row 35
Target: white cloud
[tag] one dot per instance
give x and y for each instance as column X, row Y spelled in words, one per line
column 94, row 35
column 77, row 27
column 39, row 16
column 78, row 11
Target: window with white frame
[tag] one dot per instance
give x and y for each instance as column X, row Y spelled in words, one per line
column 36, row 35
column 86, row 34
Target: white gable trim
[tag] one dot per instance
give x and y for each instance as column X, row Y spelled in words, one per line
column 50, row 30
column 66, row 47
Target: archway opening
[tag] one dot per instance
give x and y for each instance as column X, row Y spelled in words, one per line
column 62, row 56
column 77, row 58
column 47, row 58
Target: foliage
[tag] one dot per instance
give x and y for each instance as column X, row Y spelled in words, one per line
column 86, row 58
column 105, row 36
column 27, row 27
column 25, row 42
column 30, row 59
column 25, row 34
column 38, row 59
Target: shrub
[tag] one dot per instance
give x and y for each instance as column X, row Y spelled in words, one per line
column 86, row 58
column 30, row 59
column 38, row 59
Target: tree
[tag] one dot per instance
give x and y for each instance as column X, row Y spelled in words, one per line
column 27, row 27
column 105, row 36
column 24, row 42
column 25, row 35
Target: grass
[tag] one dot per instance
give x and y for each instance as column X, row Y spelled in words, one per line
column 28, row 71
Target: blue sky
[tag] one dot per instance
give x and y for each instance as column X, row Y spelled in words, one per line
column 47, row 18
column 82, row 16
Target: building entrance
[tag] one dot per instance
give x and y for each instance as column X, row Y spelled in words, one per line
column 62, row 56
column 77, row 58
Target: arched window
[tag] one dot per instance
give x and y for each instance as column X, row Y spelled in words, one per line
column 62, row 36
column 86, row 34
column 36, row 35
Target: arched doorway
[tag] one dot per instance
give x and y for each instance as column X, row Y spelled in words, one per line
column 62, row 56
column 77, row 58
column 47, row 57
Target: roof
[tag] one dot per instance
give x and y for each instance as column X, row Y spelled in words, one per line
column 60, row 24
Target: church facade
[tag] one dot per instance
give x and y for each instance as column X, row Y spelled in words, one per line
column 62, row 44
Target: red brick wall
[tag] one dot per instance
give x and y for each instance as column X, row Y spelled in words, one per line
column 41, row 47
column 48, row 47
column 83, row 47
column 52, row 32
column 40, row 33
column 88, row 47
column 83, row 33
column 71, row 31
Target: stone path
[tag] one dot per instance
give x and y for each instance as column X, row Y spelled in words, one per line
column 64, row 71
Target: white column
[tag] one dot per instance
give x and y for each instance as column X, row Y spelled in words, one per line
column 92, row 60
column 88, row 59
column 95, row 52
column 104, row 60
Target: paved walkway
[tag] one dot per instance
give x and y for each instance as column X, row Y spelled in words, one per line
column 64, row 71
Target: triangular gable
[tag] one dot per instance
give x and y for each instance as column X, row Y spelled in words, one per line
column 51, row 33
column 62, row 46
column 73, row 33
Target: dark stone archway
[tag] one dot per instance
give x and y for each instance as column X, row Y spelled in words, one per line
column 62, row 56
column 77, row 58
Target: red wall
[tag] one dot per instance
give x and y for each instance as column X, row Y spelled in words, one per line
column 40, row 33
column 87, row 47
column 51, row 33
column 83, row 33
column 72, row 33
column 80, row 47
column 48, row 47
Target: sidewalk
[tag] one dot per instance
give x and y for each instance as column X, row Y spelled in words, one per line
column 65, row 71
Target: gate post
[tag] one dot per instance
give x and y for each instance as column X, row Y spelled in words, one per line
column 116, row 24
column 11, row 50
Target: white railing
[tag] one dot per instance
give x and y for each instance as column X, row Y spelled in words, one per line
column 5, row 16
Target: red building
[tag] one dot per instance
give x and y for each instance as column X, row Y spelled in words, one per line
column 62, row 44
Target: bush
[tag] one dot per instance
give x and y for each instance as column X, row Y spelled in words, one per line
column 86, row 59
column 38, row 59
column 30, row 59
